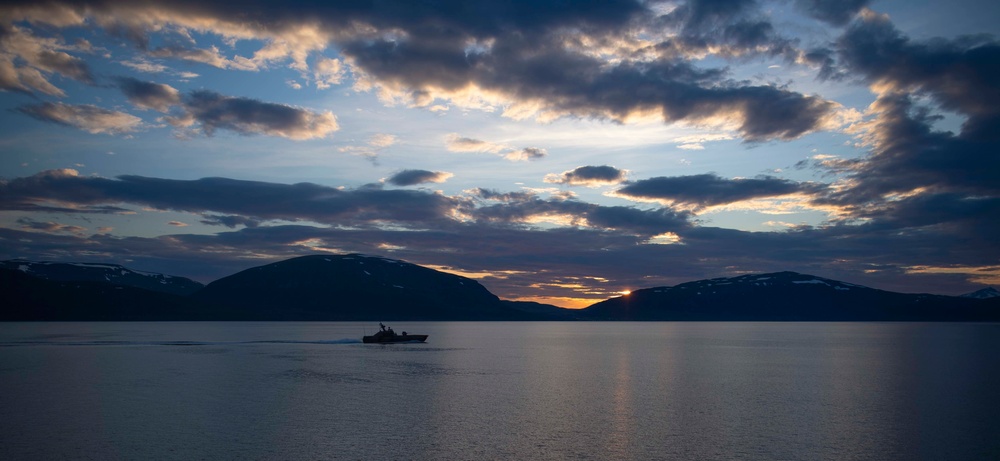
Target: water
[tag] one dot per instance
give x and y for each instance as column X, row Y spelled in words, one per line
column 767, row 391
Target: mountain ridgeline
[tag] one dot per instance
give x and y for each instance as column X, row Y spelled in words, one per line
column 367, row 288
column 789, row 296
column 111, row 274
column 354, row 287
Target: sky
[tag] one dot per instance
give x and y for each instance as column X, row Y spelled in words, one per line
column 556, row 151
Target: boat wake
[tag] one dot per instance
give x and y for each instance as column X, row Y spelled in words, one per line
column 171, row 343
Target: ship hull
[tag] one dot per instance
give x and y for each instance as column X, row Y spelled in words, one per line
column 394, row 339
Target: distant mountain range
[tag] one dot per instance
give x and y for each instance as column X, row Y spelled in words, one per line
column 110, row 273
column 789, row 296
column 360, row 287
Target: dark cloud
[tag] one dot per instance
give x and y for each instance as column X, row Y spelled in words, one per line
column 824, row 59
column 589, row 176
column 521, row 207
column 531, row 55
column 221, row 200
column 489, row 194
column 212, row 111
column 414, row 177
column 959, row 74
column 709, row 189
column 729, row 28
column 919, row 180
column 974, row 220
column 208, row 111
column 708, row 14
column 230, row 221
column 27, row 60
column 526, row 154
column 255, row 200
column 49, row 226
column 149, row 95
column 85, row 117
column 571, row 83
column 836, row 12
column 907, row 155
column 916, row 179
column 65, row 64
column 202, row 110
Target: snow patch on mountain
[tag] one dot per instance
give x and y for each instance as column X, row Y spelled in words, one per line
column 819, row 282
column 985, row 293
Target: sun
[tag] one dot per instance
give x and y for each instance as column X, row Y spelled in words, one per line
column 625, row 292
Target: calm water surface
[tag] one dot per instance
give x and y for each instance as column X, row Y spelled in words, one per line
column 261, row 390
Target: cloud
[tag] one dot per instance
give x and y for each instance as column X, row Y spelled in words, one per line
column 85, row 117
column 456, row 143
column 615, row 61
column 50, row 227
column 210, row 56
column 251, row 199
column 149, row 95
column 696, row 141
column 723, row 28
column 375, row 145
column 500, row 235
column 526, row 154
column 210, row 111
column 220, row 200
column 709, row 189
column 328, row 72
column 836, row 12
column 918, row 178
column 202, row 110
column 230, row 221
column 414, row 177
column 142, row 64
column 26, row 60
column 524, row 208
column 551, row 83
column 959, row 74
column 591, row 176
column 381, row 140
column 907, row 153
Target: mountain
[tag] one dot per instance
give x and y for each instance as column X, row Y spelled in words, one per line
column 27, row 297
column 359, row 287
column 985, row 293
column 546, row 310
column 354, row 287
column 787, row 296
column 104, row 273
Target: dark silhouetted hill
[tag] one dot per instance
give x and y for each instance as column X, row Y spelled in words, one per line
column 26, row 297
column 787, row 296
column 105, row 273
column 355, row 287
column 546, row 310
